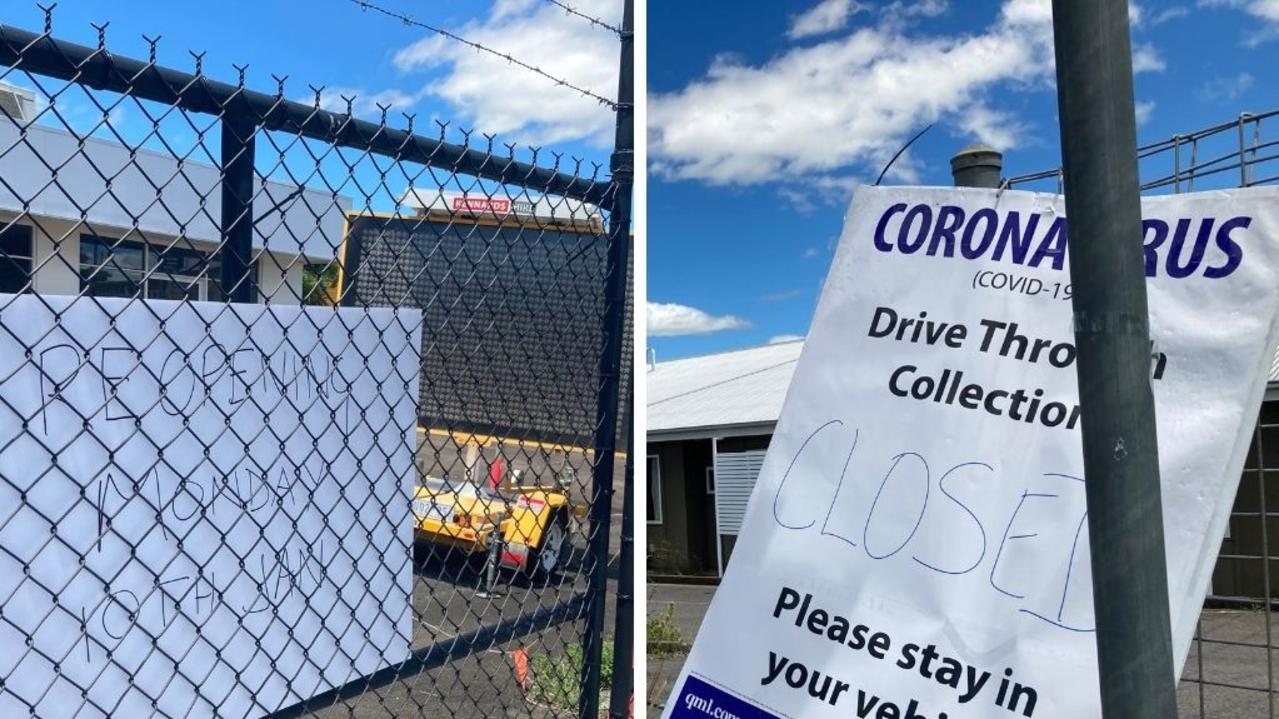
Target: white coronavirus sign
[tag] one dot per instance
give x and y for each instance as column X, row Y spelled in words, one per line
column 204, row 508
column 916, row 546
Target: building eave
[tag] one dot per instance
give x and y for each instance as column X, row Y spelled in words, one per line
column 744, row 429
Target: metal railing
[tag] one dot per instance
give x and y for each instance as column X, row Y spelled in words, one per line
column 300, row 414
column 1229, row 154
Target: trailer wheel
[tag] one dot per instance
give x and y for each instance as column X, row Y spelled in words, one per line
column 552, row 551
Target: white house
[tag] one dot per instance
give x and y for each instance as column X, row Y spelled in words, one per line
column 710, row 419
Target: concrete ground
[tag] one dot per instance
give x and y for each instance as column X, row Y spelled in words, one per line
column 448, row 601
column 689, row 603
column 1229, row 673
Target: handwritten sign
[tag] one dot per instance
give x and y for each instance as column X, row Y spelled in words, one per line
column 204, row 507
column 916, row 546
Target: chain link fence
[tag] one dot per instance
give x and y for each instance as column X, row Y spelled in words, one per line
column 1231, row 670
column 300, row 414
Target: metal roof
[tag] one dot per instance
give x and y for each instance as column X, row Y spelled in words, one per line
column 723, row 390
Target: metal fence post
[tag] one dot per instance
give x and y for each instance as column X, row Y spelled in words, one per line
column 623, row 168
column 1121, row 462
column 624, row 632
column 238, row 147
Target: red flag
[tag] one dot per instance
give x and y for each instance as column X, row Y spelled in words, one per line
column 495, row 473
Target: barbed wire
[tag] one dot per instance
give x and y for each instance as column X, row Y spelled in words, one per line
column 593, row 20
column 367, row 5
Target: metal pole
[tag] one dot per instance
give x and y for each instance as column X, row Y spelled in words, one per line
column 1112, row 334
column 610, row 369
column 237, row 207
column 620, row 702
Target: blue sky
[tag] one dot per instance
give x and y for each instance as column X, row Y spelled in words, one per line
column 350, row 51
column 765, row 115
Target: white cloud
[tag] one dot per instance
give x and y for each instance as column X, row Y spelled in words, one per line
column 1144, row 111
column 998, row 129
column 849, row 101
column 902, row 10
column 1028, row 12
column 807, row 194
column 779, row 339
column 1170, row 13
column 500, row 97
column 815, row 112
column 1264, row 9
column 825, row 17
column 1226, row 88
column 1267, row 11
column 1145, row 58
column 666, row 319
column 1136, row 13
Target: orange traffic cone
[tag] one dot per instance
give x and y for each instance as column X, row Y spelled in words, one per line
column 521, row 667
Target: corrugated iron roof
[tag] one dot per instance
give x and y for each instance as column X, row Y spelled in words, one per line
column 729, row 388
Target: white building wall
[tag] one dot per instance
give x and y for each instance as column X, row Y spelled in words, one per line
column 83, row 199
column 57, row 256
column 56, row 261
column 280, row 278
column 53, row 173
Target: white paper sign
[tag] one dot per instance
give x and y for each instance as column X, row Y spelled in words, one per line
column 204, row 508
column 916, row 546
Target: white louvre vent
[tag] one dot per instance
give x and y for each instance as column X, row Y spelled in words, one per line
column 735, row 474
column 18, row 104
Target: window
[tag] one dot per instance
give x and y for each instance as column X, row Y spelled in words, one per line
column 654, row 490
column 111, row 268
column 16, row 254
column 710, row 480
column 119, row 268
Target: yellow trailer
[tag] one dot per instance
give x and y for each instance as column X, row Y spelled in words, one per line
column 530, row 522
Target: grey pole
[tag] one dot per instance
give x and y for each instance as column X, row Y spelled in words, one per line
column 622, row 700
column 1107, row 271
column 238, row 145
column 977, row 166
column 612, row 361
